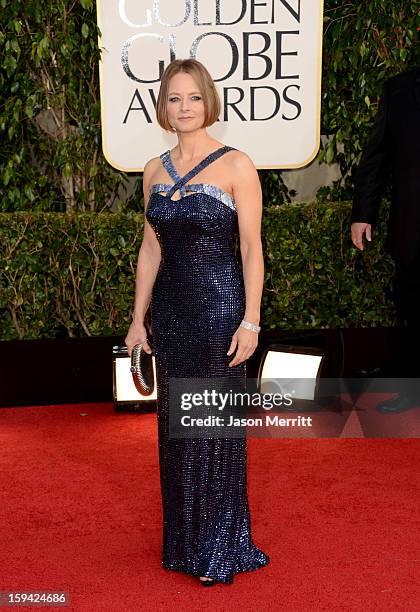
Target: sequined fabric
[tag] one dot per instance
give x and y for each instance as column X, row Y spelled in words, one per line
column 198, row 301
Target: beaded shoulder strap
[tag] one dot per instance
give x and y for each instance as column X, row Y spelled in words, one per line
column 167, row 162
column 200, row 166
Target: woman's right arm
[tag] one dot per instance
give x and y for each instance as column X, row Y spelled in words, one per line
column 148, row 263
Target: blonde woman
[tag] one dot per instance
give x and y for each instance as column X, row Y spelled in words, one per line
column 199, row 198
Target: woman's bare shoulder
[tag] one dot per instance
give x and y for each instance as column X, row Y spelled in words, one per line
column 239, row 160
column 151, row 170
column 151, row 165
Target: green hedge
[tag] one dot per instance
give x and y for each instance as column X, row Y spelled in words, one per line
column 74, row 275
column 315, row 277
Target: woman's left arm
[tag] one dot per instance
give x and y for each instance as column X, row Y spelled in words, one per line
column 248, row 198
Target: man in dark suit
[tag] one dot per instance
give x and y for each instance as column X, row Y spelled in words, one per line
column 393, row 152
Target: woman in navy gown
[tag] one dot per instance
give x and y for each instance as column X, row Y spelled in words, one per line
column 204, row 319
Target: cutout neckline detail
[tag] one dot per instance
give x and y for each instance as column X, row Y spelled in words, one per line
column 206, row 188
column 183, row 186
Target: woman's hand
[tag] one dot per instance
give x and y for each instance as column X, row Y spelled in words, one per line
column 137, row 334
column 246, row 341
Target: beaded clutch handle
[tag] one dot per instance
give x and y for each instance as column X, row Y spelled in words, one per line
column 142, row 369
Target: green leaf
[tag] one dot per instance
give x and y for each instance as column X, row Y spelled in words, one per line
column 29, row 110
column 85, row 30
column 67, row 170
column 330, row 154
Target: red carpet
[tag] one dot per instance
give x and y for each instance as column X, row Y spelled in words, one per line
column 80, row 512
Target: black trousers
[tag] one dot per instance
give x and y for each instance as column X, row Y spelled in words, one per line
column 405, row 337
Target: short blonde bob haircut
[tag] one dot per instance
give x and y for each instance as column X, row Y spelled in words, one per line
column 205, row 84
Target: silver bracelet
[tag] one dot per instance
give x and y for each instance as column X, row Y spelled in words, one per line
column 251, row 326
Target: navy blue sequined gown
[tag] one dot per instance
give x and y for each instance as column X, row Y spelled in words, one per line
column 198, row 301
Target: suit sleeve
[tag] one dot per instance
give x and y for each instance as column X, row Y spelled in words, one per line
column 374, row 167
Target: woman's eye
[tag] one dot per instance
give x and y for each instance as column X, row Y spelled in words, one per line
column 176, row 98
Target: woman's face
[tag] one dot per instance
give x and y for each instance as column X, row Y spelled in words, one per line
column 185, row 105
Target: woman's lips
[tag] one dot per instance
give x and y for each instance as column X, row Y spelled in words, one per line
column 185, row 118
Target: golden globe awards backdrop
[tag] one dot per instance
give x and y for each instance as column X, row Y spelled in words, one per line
column 264, row 56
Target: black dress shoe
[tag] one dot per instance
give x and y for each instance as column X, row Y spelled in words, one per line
column 400, row 403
